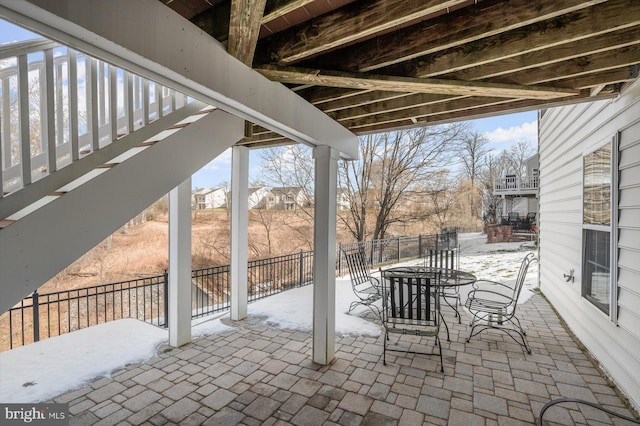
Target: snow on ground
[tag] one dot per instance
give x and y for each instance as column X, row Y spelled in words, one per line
column 42, row 370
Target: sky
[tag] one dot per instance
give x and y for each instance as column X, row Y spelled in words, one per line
column 502, row 131
column 43, row 370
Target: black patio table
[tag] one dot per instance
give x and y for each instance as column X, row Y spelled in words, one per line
column 448, row 278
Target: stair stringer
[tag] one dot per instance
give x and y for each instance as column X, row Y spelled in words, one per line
column 44, row 242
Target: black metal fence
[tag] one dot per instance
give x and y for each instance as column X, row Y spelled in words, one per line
column 41, row 316
column 393, row 250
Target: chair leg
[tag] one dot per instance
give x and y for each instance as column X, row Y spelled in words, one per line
column 517, row 328
column 445, row 326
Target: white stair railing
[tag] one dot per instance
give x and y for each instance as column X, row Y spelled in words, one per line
column 58, row 105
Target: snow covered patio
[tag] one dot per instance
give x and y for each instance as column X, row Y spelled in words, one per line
column 259, row 370
column 258, row 374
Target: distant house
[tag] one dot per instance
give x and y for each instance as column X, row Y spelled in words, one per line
column 260, row 198
column 518, row 194
column 209, row 198
column 290, row 198
column 343, row 200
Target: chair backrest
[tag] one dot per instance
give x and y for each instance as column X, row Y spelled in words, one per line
column 412, row 299
column 359, row 270
column 443, row 259
column 522, row 273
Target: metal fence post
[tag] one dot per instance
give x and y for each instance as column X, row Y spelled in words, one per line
column 301, row 264
column 166, row 299
column 339, row 259
column 36, row 316
column 398, row 249
column 420, row 245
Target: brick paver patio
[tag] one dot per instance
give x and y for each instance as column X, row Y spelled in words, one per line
column 257, row 374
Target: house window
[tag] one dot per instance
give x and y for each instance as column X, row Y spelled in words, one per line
column 596, row 282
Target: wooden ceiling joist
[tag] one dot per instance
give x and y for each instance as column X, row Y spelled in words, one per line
column 379, row 65
column 576, row 27
column 552, row 55
column 284, row 9
column 490, row 18
column 410, row 85
column 349, row 24
column 244, row 28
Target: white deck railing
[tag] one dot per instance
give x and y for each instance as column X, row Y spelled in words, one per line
column 58, row 105
column 514, row 184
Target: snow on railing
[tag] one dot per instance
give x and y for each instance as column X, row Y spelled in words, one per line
column 58, row 105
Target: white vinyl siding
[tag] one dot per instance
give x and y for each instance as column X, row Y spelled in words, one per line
column 629, row 230
column 566, row 135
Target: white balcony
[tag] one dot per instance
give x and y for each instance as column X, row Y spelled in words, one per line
column 513, row 185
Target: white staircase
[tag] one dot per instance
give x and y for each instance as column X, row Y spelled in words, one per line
column 85, row 146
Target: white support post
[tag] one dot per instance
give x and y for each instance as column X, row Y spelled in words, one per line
column 324, row 259
column 239, row 231
column 180, row 264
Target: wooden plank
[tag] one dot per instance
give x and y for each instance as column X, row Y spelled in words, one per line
column 538, row 59
column 390, row 105
column 348, row 24
column 361, row 99
column 567, row 70
column 611, row 16
column 412, row 85
column 359, row 127
column 418, row 112
column 284, row 9
column 487, row 18
column 244, row 28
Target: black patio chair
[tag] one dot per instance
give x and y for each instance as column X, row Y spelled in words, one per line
column 411, row 306
column 493, row 306
column 448, row 259
column 366, row 287
column 553, row 402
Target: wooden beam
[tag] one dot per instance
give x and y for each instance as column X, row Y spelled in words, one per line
column 361, row 99
column 411, row 85
column 554, row 54
column 487, row 18
column 348, row 24
column 563, row 72
column 475, row 113
column 244, row 28
column 381, row 106
column 283, row 9
column 579, row 26
column 457, row 104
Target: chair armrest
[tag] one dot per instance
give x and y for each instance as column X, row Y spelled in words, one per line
column 490, row 284
column 493, row 296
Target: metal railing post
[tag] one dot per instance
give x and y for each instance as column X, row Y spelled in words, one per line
column 36, row 316
column 166, row 299
column 301, row 264
column 398, row 249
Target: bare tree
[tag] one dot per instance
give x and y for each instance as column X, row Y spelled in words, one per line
column 393, row 166
column 519, row 153
column 292, row 167
column 355, row 181
column 440, row 191
column 472, row 150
